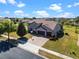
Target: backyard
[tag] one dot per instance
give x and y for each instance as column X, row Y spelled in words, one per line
column 67, row 44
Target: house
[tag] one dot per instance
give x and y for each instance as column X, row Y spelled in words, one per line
column 1, row 18
column 45, row 28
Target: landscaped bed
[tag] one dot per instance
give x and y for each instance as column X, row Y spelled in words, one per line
column 67, row 44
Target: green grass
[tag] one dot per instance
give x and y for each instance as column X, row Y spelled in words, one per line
column 2, row 38
column 28, row 36
column 13, row 34
column 67, row 44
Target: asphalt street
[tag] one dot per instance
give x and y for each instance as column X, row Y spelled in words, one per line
column 18, row 53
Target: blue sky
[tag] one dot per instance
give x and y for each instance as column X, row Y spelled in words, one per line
column 39, row 8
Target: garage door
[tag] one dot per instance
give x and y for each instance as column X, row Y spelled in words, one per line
column 49, row 34
column 41, row 33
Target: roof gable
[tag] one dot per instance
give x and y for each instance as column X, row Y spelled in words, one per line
column 40, row 28
column 33, row 25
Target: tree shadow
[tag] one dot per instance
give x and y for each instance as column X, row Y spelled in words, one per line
column 22, row 40
column 7, row 45
column 60, row 35
column 53, row 39
column 11, row 43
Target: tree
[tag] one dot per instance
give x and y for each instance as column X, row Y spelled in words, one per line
column 77, row 19
column 1, row 28
column 9, row 25
column 21, row 31
column 17, row 20
column 6, row 24
column 34, row 18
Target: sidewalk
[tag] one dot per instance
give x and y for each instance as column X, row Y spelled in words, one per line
column 30, row 47
column 7, row 37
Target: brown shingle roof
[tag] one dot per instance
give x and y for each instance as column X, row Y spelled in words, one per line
column 49, row 24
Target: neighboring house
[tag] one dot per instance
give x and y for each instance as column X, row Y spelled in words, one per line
column 1, row 18
column 45, row 28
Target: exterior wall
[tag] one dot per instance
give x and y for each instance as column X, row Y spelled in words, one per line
column 58, row 31
column 39, row 29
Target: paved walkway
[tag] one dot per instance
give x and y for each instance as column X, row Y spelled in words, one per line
column 7, row 37
column 39, row 41
column 30, row 47
column 78, row 40
column 35, row 49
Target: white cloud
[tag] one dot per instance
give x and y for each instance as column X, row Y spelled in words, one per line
column 20, row 4
column 73, row 5
column 41, row 13
column 69, row 6
column 20, row 13
column 76, row 4
column 3, row 1
column 8, row 1
column 12, row 2
column 55, row 7
column 66, row 15
column 0, row 16
column 7, row 12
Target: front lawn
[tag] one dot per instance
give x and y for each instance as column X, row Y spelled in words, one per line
column 13, row 34
column 3, row 38
column 67, row 44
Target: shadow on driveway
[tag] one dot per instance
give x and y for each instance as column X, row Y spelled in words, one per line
column 11, row 43
column 22, row 40
column 5, row 46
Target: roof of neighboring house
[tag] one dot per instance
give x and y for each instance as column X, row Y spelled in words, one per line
column 50, row 25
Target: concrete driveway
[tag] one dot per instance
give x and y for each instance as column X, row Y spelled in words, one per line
column 39, row 41
column 18, row 53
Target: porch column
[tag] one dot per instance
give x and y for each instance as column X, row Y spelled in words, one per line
column 45, row 33
column 55, row 35
column 36, row 31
